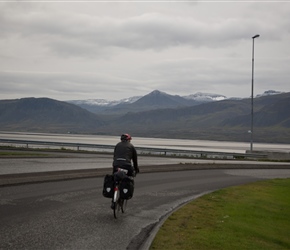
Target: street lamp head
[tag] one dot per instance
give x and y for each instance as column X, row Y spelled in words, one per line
column 256, row 36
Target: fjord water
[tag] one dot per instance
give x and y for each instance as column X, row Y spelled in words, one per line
column 183, row 144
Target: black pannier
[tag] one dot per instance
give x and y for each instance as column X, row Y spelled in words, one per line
column 108, row 188
column 126, row 188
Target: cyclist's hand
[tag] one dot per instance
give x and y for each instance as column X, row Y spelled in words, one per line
column 137, row 171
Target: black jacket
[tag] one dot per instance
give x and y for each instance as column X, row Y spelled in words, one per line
column 125, row 151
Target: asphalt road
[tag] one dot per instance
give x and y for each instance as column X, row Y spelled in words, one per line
column 73, row 214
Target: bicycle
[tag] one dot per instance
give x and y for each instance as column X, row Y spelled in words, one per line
column 119, row 204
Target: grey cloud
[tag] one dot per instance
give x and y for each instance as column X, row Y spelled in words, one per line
column 66, row 52
column 80, row 34
column 64, row 86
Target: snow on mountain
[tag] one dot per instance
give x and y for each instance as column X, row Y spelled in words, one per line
column 105, row 103
column 129, row 100
column 269, row 92
column 205, row 97
column 100, row 102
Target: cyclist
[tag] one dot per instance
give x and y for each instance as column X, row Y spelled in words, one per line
column 124, row 154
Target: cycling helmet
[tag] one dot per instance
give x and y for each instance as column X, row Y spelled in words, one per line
column 126, row 137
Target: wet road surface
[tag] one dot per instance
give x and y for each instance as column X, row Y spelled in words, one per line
column 74, row 214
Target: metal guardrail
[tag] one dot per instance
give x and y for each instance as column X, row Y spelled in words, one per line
column 160, row 151
column 56, row 144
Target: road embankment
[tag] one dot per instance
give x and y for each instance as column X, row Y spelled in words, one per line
column 36, row 177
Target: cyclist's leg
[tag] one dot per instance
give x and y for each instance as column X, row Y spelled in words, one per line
column 115, row 168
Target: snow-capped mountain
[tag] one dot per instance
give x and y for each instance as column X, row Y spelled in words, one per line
column 154, row 100
column 205, row 97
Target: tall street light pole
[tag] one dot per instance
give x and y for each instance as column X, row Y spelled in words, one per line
column 252, row 96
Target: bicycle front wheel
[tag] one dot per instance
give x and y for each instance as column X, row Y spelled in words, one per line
column 117, row 209
column 116, row 204
column 124, row 206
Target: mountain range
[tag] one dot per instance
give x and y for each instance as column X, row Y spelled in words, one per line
column 154, row 100
column 156, row 115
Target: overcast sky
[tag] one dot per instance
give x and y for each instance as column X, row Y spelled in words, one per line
column 76, row 50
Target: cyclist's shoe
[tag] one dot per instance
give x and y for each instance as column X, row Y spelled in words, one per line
column 113, row 205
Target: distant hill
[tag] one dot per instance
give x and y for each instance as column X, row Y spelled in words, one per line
column 269, row 111
column 216, row 120
column 157, row 99
column 216, row 113
column 44, row 114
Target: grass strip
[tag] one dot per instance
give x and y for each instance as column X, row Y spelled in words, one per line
column 20, row 154
column 253, row 216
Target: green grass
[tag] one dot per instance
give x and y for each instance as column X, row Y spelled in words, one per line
column 254, row 216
